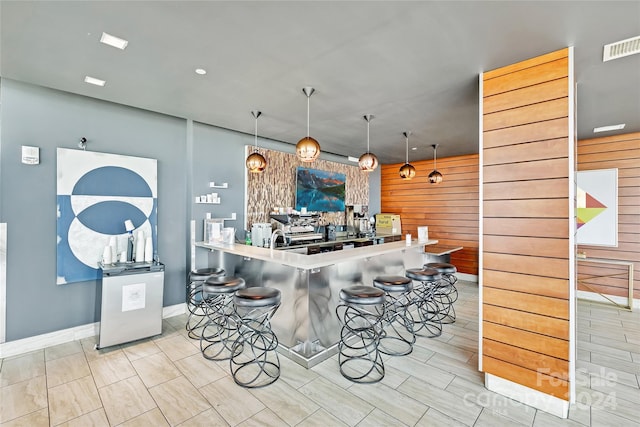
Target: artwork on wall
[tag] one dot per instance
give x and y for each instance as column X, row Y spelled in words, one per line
column 597, row 207
column 96, row 194
column 276, row 186
column 319, row 191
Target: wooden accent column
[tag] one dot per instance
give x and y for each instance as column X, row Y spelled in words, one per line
column 527, row 253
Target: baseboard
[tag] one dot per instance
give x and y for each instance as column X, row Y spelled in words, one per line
column 38, row 342
column 528, row 396
column 595, row 297
column 467, row 277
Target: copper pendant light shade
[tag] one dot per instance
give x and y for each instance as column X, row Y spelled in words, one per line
column 407, row 171
column 368, row 161
column 308, row 149
column 256, row 163
column 435, row 177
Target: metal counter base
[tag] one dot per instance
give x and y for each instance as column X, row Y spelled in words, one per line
column 306, row 323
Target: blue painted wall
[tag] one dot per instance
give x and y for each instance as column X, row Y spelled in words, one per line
column 189, row 155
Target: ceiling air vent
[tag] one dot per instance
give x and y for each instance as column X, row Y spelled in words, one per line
column 622, row 48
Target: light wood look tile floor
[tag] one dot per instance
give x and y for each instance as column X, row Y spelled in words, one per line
column 165, row 381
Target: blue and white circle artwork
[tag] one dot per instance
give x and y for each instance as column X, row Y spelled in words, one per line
column 99, row 201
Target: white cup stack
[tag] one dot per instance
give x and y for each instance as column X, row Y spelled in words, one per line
column 140, row 246
column 106, row 255
column 148, row 250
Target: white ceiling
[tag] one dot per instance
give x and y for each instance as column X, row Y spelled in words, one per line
column 414, row 65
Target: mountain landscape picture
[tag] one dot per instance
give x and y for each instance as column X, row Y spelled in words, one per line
column 320, row 191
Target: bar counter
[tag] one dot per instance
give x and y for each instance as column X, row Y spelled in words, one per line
column 306, row 323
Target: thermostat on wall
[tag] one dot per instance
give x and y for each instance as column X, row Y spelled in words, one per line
column 30, row 155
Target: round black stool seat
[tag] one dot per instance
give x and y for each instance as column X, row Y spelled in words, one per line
column 222, row 285
column 442, row 267
column 202, row 274
column 257, row 297
column 423, row 274
column 361, row 294
column 393, row 283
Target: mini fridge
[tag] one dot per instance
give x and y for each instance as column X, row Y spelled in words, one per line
column 131, row 302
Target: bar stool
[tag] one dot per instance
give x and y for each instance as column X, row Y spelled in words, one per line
column 197, row 316
column 254, row 360
column 361, row 313
column 429, row 315
column 447, row 293
column 221, row 328
column 398, row 319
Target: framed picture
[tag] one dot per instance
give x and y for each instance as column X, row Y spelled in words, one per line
column 318, row 190
column 96, row 194
column 597, row 207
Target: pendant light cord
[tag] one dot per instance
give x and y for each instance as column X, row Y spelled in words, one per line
column 256, row 135
column 368, row 120
column 435, row 155
column 308, row 99
column 406, row 151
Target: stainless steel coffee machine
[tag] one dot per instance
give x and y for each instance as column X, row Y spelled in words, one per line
column 357, row 218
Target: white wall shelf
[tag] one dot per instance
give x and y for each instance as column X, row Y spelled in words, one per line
column 222, row 185
column 208, row 203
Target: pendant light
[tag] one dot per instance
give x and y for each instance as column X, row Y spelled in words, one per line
column 308, row 148
column 435, row 177
column 256, row 163
column 407, row 171
column 368, row 161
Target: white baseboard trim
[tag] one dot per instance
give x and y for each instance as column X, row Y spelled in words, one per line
column 467, row 277
column 595, row 297
column 38, row 342
column 528, row 396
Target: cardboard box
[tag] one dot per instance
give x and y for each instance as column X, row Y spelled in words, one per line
column 388, row 224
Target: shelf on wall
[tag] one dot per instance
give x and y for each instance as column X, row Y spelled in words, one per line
column 214, row 185
column 208, row 203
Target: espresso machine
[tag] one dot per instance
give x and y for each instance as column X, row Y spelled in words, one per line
column 357, row 219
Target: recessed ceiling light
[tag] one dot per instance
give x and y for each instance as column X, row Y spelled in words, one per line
column 94, row 81
column 352, row 159
column 608, row 128
column 201, row 71
column 414, row 148
column 113, row 41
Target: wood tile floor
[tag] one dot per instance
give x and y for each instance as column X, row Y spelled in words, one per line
column 165, row 381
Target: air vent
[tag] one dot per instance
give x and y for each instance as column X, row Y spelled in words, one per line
column 620, row 49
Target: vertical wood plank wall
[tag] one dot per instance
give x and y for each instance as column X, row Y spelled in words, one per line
column 526, row 218
column 449, row 209
column 621, row 152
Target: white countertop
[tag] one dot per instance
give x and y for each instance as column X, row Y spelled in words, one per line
column 324, row 259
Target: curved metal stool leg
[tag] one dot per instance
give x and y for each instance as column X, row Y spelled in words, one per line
column 361, row 314
column 254, row 361
column 428, row 323
column 398, row 336
column 196, row 306
column 221, row 328
column 447, row 292
column 425, row 301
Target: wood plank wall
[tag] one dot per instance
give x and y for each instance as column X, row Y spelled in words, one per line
column 621, row 152
column 449, row 209
column 526, row 208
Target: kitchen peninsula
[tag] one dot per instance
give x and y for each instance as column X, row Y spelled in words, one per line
column 306, row 324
